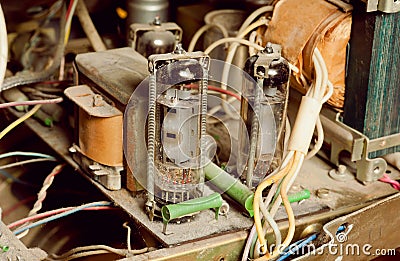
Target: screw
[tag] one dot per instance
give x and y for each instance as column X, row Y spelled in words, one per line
column 323, row 193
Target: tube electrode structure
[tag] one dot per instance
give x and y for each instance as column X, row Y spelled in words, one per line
column 271, row 73
column 176, row 127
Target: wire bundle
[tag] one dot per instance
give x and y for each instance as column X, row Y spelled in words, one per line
column 306, row 120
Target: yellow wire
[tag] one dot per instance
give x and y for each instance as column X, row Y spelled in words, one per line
column 19, row 121
column 257, row 198
column 297, row 158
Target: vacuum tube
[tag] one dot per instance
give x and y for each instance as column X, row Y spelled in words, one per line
column 264, row 103
column 176, row 127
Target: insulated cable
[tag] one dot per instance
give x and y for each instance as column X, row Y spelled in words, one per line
column 306, row 120
column 19, row 121
column 27, row 103
column 88, row 27
column 60, row 215
column 27, row 77
column 202, row 30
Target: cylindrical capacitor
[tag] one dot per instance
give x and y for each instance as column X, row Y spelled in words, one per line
column 144, row 11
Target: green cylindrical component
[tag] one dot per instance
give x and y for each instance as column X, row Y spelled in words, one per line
column 44, row 117
column 231, row 186
column 173, row 211
column 296, row 197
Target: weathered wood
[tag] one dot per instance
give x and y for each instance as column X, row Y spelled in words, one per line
column 372, row 100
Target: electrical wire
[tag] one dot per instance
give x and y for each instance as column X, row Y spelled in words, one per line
column 19, row 121
column 41, row 196
column 10, row 177
column 27, row 77
column 258, row 197
column 253, row 16
column 320, row 140
column 24, row 153
column 319, row 92
column 202, row 30
column 60, row 215
column 229, row 40
column 69, row 15
column 3, row 46
column 128, row 235
column 217, row 89
column 293, row 248
column 88, row 27
column 79, row 252
column 51, row 213
column 20, row 163
column 231, row 54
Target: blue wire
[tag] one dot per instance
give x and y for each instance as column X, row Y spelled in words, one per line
column 298, row 245
column 14, row 179
column 301, row 243
column 60, row 215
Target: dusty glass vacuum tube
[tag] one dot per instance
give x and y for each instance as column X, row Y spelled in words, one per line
column 176, row 127
column 264, row 103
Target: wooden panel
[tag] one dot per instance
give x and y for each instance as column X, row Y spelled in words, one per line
column 372, row 100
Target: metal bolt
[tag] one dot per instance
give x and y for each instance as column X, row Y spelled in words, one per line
column 72, row 150
column 157, row 20
column 268, row 48
column 179, row 49
column 323, row 193
column 341, row 169
column 98, row 101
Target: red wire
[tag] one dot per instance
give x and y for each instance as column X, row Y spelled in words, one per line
column 17, row 205
column 217, row 89
column 50, row 213
column 71, row 3
column 386, row 179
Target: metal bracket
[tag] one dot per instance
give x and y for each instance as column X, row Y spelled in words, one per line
column 344, row 138
column 109, row 177
column 386, row 6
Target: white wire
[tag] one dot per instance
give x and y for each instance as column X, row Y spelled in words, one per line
column 203, row 29
column 69, row 20
column 88, row 27
column 24, row 153
column 229, row 40
column 320, row 140
column 252, row 38
column 278, row 202
column 329, row 93
column 254, row 15
column 3, row 47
